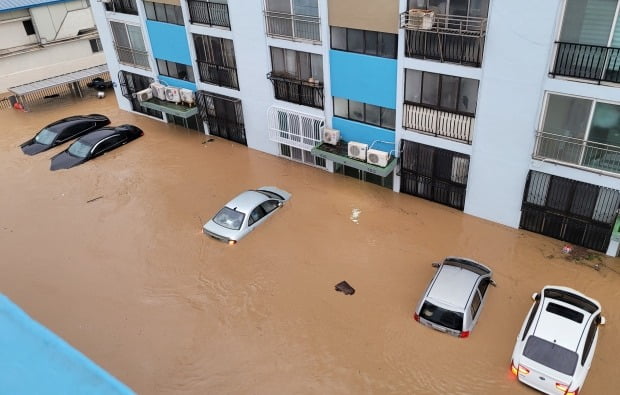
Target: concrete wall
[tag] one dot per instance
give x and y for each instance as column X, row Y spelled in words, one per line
column 49, row 20
column 380, row 16
column 47, row 62
column 13, row 34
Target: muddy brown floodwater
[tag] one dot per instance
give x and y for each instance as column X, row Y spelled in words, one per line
column 130, row 280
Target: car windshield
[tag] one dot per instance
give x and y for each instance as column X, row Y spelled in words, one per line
column 443, row 317
column 79, row 149
column 45, row 136
column 229, row 218
column 551, row 355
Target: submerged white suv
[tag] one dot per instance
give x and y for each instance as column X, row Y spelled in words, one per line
column 556, row 343
column 454, row 298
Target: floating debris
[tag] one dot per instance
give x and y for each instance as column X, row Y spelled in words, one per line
column 345, row 288
column 93, row 199
column 355, row 215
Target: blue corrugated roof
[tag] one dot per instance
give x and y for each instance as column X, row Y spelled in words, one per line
column 36, row 361
column 11, row 5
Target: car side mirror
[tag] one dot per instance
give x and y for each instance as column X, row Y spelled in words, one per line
column 280, row 204
column 535, row 297
column 601, row 320
column 492, row 282
column 435, row 264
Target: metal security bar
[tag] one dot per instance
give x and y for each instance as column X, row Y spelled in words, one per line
column 445, row 48
column 122, row 6
column 208, row 13
column 438, row 123
column 223, row 115
column 434, row 173
column 297, row 91
column 587, row 154
column 219, row 75
column 442, row 23
column 294, row 128
column 589, row 62
column 295, row 27
column 569, row 210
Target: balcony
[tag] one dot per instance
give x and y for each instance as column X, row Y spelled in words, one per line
column 578, row 152
column 588, row 62
column 218, row 75
column 208, row 13
column 293, row 27
column 294, row 128
column 438, row 123
column 132, row 57
column 307, row 93
column 122, row 6
column 447, row 38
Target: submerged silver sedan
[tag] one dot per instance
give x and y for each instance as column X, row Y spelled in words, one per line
column 245, row 213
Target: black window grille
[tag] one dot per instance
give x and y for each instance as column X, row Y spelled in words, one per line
column 130, row 84
column 364, row 41
column 223, row 115
column 208, row 13
column 433, row 173
column 216, row 61
column 573, row 211
column 122, row 6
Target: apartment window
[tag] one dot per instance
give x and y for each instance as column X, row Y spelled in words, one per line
column 175, row 70
column 95, row 45
column 294, row 7
column 296, row 65
column 365, row 113
column 364, row 41
column 297, row 19
column 29, row 27
column 472, row 8
column 163, row 12
column 129, row 44
column 442, row 92
column 122, row 6
column 569, row 122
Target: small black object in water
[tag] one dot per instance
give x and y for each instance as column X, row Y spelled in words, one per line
column 345, row 288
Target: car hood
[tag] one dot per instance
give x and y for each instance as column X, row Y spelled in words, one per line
column 64, row 160
column 32, row 147
column 220, row 232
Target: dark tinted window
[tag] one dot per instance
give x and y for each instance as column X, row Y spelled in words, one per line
column 530, row 319
column 365, row 113
column 108, row 144
column 551, row 355
column 270, row 194
column 269, row 206
column 443, row 317
column 364, row 41
column 589, row 340
column 475, row 304
column 482, row 287
column 256, row 215
column 565, row 312
column 571, row 298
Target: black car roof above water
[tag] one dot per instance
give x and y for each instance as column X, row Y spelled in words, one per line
column 98, row 134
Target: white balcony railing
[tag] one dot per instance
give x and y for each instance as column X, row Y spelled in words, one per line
column 439, row 123
column 577, row 152
column 294, row 27
column 293, row 128
column 427, row 20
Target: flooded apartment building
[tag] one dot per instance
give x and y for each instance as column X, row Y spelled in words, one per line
column 508, row 111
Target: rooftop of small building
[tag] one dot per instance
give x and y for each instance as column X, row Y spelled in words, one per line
column 12, row 5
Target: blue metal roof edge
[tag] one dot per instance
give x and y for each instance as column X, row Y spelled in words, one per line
column 50, row 338
column 13, row 5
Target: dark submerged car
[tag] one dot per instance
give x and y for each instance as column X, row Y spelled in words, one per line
column 62, row 131
column 94, row 144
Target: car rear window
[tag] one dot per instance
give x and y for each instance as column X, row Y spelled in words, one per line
column 571, row 298
column 229, row 218
column 270, row 194
column 468, row 265
column 443, row 317
column 551, row 355
column 565, row 312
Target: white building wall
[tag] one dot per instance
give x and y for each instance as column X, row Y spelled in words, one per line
column 13, row 34
column 516, row 62
column 48, row 20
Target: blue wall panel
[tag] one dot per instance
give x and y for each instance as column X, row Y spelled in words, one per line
column 169, row 42
column 178, row 83
column 363, row 78
column 355, row 131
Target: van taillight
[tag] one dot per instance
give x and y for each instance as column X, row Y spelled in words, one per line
column 464, row 334
column 416, row 317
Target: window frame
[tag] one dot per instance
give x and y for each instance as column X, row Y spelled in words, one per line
column 382, row 110
column 172, row 14
column 189, row 70
column 367, row 37
column 29, row 27
column 314, row 63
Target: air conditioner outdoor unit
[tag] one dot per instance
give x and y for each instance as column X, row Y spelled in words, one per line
column 144, row 94
column 331, row 136
column 187, row 96
column 377, row 158
column 357, row 150
column 172, row 94
column 159, row 90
